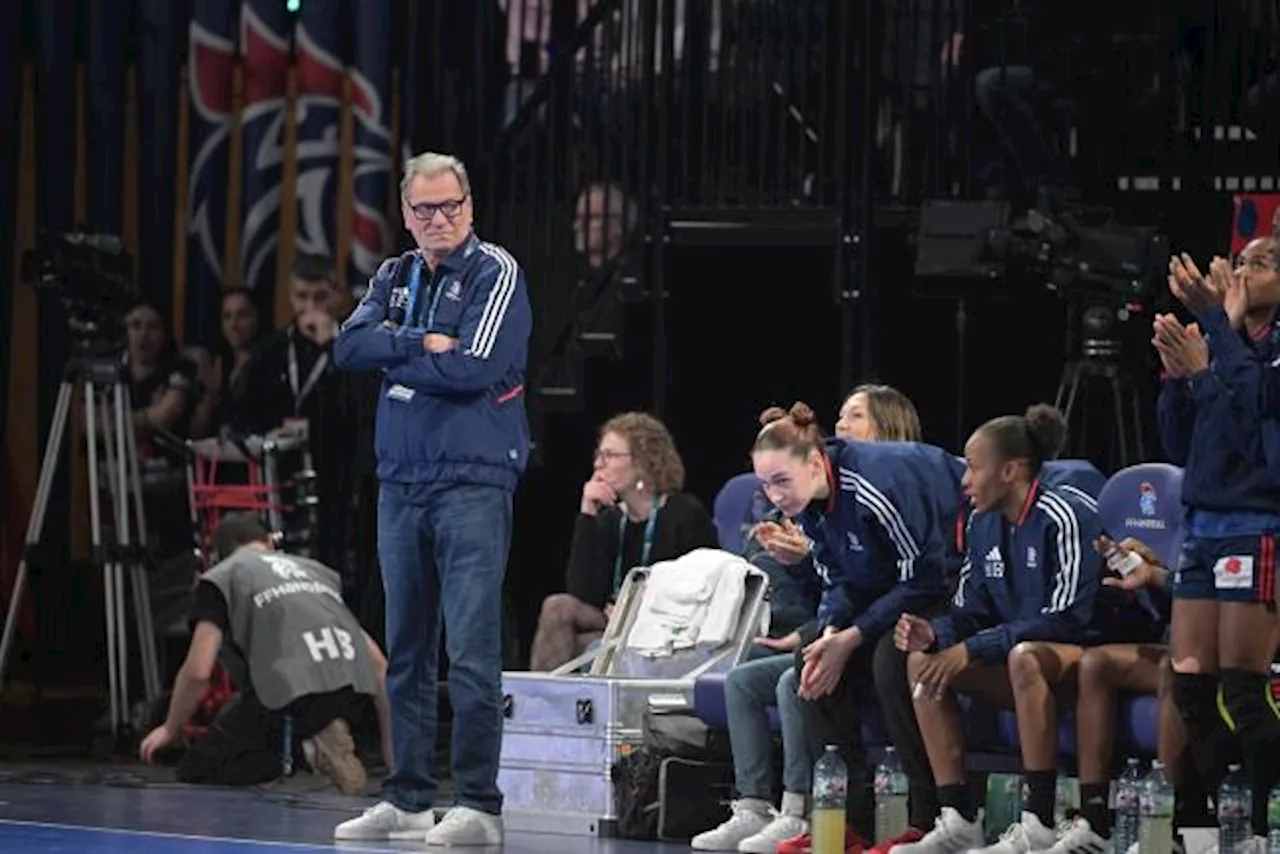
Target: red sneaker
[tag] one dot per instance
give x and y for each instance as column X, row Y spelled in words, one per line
column 803, row 844
column 908, row 836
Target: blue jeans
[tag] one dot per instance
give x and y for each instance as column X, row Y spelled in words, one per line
column 750, row 689
column 443, row 549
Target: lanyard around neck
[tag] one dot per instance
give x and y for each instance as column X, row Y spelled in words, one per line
column 317, row 371
column 644, row 549
column 415, row 283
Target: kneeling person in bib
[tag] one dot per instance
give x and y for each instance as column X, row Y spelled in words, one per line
column 309, row 667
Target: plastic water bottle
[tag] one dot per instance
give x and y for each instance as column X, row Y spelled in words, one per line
column 1066, row 798
column 1155, row 827
column 1128, row 807
column 1273, row 821
column 891, row 797
column 830, row 785
column 1004, row 803
column 1235, row 809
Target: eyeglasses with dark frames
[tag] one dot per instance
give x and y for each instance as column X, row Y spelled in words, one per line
column 426, row 211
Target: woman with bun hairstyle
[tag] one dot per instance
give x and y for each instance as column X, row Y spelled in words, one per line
column 870, row 413
column 1031, row 598
column 1078, row 478
column 633, row 513
column 881, row 518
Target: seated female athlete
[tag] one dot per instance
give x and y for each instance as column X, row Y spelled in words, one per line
column 881, row 517
column 1077, row 478
column 1029, row 603
column 871, row 413
column 1111, row 669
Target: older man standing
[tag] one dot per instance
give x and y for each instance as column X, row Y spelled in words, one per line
column 449, row 326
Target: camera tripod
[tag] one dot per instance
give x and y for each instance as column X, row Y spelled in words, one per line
column 1108, row 377
column 108, row 417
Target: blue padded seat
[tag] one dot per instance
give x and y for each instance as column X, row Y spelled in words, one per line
column 732, row 508
column 708, row 701
column 1145, row 502
column 1136, row 724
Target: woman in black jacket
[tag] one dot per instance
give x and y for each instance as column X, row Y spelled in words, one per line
column 632, row 514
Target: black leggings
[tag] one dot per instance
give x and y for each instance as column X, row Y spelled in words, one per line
column 244, row 745
column 837, row 719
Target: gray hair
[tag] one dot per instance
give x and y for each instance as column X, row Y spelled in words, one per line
column 429, row 164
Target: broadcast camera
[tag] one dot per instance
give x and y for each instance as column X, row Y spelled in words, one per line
column 1083, row 251
column 1106, row 272
column 90, row 274
column 1109, row 273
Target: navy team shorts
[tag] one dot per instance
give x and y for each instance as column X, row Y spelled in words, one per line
column 1228, row 569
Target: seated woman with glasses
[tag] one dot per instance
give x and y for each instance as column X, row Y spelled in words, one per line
column 632, row 514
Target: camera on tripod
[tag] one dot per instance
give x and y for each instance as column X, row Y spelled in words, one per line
column 1107, row 275
column 91, row 274
column 1107, row 272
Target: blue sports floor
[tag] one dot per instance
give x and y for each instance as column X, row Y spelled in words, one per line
column 168, row 819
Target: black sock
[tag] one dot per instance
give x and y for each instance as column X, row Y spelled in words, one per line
column 1191, row 803
column 1042, row 786
column 1196, row 697
column 1247, row 697
column 1093, row 806
column 957, row 797
column 860, row 805
column 923, row 804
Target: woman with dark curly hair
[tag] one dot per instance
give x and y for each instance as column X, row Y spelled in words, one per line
column 633, row 513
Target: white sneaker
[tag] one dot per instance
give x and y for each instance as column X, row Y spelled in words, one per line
column 1077, row 837
column 782, row 828
column 951, row 834
column 1022, row 837
column 464, row 826
column 386, row 821
column 750, row 816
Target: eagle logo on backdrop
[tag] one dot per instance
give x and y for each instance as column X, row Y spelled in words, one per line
column 264, row 43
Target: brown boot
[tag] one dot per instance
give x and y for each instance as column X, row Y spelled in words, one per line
column 336, row 758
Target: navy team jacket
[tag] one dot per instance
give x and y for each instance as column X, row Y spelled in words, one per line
column 883, row 540
column 458, row 416
column 1036, row 579
column 1223, row 428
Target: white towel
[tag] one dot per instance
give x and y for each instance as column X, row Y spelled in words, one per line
column 692, row 600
